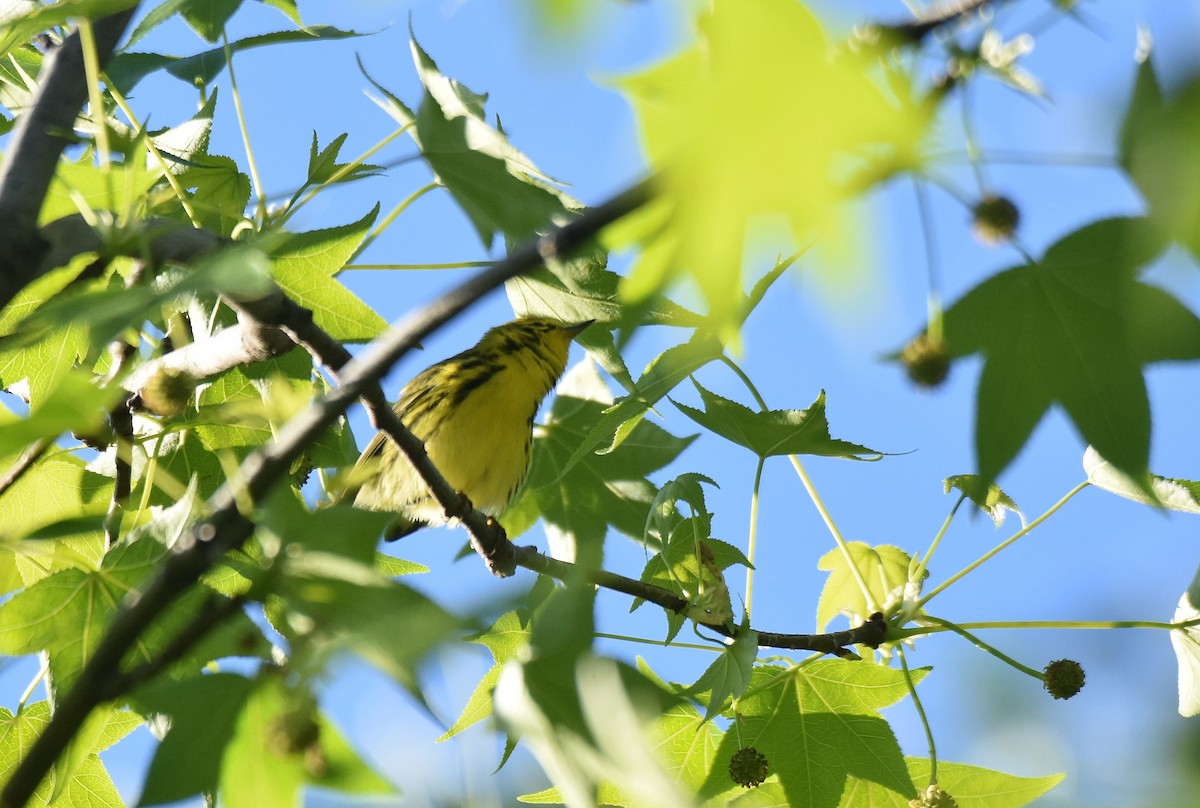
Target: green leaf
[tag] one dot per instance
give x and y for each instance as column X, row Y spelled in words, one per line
column 683, row 742
column 18, row 29
column 42, row 364
column 818, row 725
column 584, row 721
column 220, row 192
column 1178, row 495
column 660, row 377
column 189, row 140
column 76, row 404
column 478, row 706
column 256, row 772
column 105, row 311
column 498, row 188
column 579, row 501
column 341, row 767
column 774, row 432
column 504, row 639
column 128, row 68
column 89, row 786
column 305, row 267
column 582, row 288
column 1186, row 642
column 729, row 674
column 987, row 496
column 969, row 786
column 714, row 178
column 58, row 487
column 1159, row 151
column 67, row 613
column 1061, row 331
column 884, row 569
column 323, row 164
column 204, row 711
column 331, row 603
column 85, row 185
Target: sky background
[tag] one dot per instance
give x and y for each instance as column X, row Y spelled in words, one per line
column 1100, row 558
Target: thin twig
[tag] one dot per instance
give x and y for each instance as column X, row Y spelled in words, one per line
column 24, row 463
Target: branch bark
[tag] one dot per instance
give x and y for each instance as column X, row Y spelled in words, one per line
column 37, row 143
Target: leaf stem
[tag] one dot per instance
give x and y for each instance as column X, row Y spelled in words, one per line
column 168, row 175
column 912, row 691
column 872, row 606
column 1073, row 625
column 753, row 533
column 261, row 204
column 714, row 648
column 983, row 646
column 91, row 68
column 916, row 576
column 41, row 674
column 377, row 231
column 1023, row 531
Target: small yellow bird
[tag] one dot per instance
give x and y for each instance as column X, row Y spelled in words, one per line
column 474, row 412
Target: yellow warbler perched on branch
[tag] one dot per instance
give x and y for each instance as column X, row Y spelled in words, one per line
column 474, row 413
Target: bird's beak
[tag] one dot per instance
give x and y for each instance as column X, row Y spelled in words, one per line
column 574, row 330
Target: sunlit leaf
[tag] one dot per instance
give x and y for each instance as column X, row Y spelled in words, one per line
column 1178, row 495
column 969, row 786
column 818, row 725
column 1186, row 642
column 305, row 267
column 987, row 496
column 730, row 125
column 90, row 785
column 884, row 571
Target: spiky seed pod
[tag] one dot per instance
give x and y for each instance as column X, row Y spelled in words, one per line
column 168, row 392
column 994, row 219
column 1064, row 678
column 933, row 797
column 748, row 767
column 926, row 361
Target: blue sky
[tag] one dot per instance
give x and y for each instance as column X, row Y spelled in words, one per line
column 1100, row 558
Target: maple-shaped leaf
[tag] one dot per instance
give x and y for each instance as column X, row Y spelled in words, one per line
column 305, row 266
column 497, row 187
column 817, row 725
column 1072, row 329
column 761, row 116
column 1160, row 150
column 884, row 570
column 967, row 786
column 774, row 432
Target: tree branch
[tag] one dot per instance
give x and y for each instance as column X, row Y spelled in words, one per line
column 227, row 528
column 37, row 143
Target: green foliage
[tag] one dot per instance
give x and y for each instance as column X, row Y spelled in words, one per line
column 776, row 432
column 104, row 501
column 1066, row 330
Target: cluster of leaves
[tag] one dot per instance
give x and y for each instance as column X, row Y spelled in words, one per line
column 96, row 509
